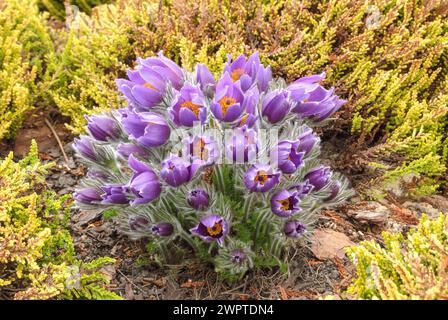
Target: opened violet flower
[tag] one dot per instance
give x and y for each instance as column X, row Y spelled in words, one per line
column 198, row 199
column 287, row 157
column 188, row 106
column 316, row 102
column 148, row 129
column 203, row 148
column 211, row 228
column 227, row 104
column 248, row 72
column 285, row 202
column 176, row 171
column 144, row 183
column 261, row 178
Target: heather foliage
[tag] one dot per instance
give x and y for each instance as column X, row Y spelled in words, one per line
column 37, row 258
column 405, row 267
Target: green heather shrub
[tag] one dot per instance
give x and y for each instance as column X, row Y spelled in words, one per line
column 405, row 267
column 56, row 8
column 388, row 58
column 25, row 52
column 37, row 257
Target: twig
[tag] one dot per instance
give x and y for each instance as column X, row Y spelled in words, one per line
column 58, row 140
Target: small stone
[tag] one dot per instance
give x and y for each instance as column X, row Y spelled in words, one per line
column 374, row 213
column 327, row 244
column 422, row 208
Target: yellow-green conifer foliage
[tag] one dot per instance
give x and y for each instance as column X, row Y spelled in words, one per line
column 405, row 267
column 25, row 53
column 37, row 258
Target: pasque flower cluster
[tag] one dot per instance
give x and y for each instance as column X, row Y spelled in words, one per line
column 135, row 168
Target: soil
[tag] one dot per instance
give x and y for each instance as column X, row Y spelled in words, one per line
column 136, row 276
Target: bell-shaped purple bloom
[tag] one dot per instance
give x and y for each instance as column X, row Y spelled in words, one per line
column 211, row 228
column 203, row 148
column 287, row 157
column 147, row 128
column 188, row 106
column 88, row 195
column 204, row 77
column 176, row 171
column 102, row 127
column 319, row 177
column 144, row 183
column 285, row 203
column 85, row 148
column 138, row 223
column 294, row 228
column 276, row 105
column 126, row 149
column 250, row 115
column 147, row 83
column 198, row 199
column 162, row 229
column 335, row 188
column 313, row 100
column 115, row 194
column 237, row 256
column 248, row 72
column 227, row 104
column 242, row 146
column 307, row 140
column 261, row 178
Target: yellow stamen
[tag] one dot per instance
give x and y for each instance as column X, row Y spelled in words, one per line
column 199, row 150
column 226, row 103
column 215, row 230
column 285, row 203
column 150, row 86
column 236, row 74
column 261, row 177
column 193, row 107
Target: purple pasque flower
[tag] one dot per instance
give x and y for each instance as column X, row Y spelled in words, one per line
column 115, row 194
column 276, row 105
column 285, row 203
column 138, row 223
column 237, row 256
column 102, row 127
column 204, row 77
column 162, row 229
column 250, row 105
column 188, row 106
column 147, row 82
column 211, row 228
column 307, row 140
column 242, row 146
column 88, row 195
column 335, row 187
column 198, row 199
column 304, row 188
column 261, row 178
column 227, row 104
column 313, row 100
column 176, row 170
column 147, row 128
column 294, row 228
column 287, row 157
column 203, row 148
column 247, row 72
column 97, row 175
column 319, row 177
column 84, row 146
column 144, row 183
column 126, row 149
